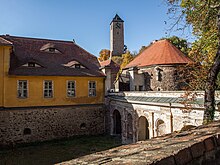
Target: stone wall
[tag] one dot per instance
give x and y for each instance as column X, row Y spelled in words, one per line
column 157, row 78
column 26, row 125
column 159, row 118
column 198, row 146
column 165, row 81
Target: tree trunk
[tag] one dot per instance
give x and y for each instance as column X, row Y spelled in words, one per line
column 209, row 101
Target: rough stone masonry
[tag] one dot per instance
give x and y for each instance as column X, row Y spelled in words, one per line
column 198, row 146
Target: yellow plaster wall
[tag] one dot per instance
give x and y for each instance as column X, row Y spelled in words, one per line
column 35, row 91
column 8, row 88
column 1, row 75
column 4, row 65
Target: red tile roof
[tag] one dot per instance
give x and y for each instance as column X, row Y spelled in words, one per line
column 4, row 41
column 29, row 50
column 110, row 63
column 160, row 53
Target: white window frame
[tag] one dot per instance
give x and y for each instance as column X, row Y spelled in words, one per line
column 70, row 88
column 21, row 91
column 48, row 89
column 93, row 89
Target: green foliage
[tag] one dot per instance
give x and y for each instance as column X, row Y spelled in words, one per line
column 201, row 16
column 117, row 59
column 180, row 43
column 127, row 57
column 122, row 61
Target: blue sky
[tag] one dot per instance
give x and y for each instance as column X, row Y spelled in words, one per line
column 85, row 21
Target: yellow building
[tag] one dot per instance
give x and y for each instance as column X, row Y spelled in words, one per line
column 40, row 72
column 49, row 89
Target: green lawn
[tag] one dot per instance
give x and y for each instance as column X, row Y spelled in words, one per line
column 57, row 151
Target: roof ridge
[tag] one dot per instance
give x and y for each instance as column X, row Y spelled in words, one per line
column 35, row 38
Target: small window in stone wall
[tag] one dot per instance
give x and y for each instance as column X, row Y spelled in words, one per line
column 158, row 74
column 83, row 126
column 27, row 131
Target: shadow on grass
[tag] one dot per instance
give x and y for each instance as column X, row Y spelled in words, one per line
column 51, row 152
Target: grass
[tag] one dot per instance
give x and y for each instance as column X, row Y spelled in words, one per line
column 52, row 152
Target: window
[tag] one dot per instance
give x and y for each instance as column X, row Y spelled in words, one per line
column 51, row 50
column 48, row 89
column 71, row 92
column 27, row 131
column 31, row 64
column 77, row 66
column 158, row 74
column 141, row 88
column 22, row 89
column 92, row 88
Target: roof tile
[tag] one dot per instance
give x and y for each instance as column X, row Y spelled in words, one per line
column 160, row 53
column 30, row 50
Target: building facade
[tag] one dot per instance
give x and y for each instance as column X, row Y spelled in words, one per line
column 49, row 89
column 137, row 116
column 160, row 67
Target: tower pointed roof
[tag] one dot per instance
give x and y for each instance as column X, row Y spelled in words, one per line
column 117, row 19
column 160, row 53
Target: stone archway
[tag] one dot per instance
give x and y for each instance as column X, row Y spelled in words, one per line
column 129, row 127
column 116, row 122
column 160, row 127
column 143, row 130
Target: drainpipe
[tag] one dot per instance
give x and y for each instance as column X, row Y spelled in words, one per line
column 153, row 124
column 171, row 119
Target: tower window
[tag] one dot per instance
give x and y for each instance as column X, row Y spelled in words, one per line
column 158, row 74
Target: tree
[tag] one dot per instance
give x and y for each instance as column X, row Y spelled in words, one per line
column 127, row 58
column 104, row 54
column 180, row 43
column 201, row 15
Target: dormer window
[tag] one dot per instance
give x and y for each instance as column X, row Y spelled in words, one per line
column 77, row 66
column 50, row 47
column 31, row 65
column 52, row 50
column 74, row 64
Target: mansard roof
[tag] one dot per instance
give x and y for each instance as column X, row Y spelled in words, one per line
column 161, row 52
column 111, row 64
column 117, row 19
column 51, row 55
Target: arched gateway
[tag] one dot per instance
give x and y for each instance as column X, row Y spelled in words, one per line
column 143, row 130
column 116, row 122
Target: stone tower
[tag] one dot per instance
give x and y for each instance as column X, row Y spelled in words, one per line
column 117, row 36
